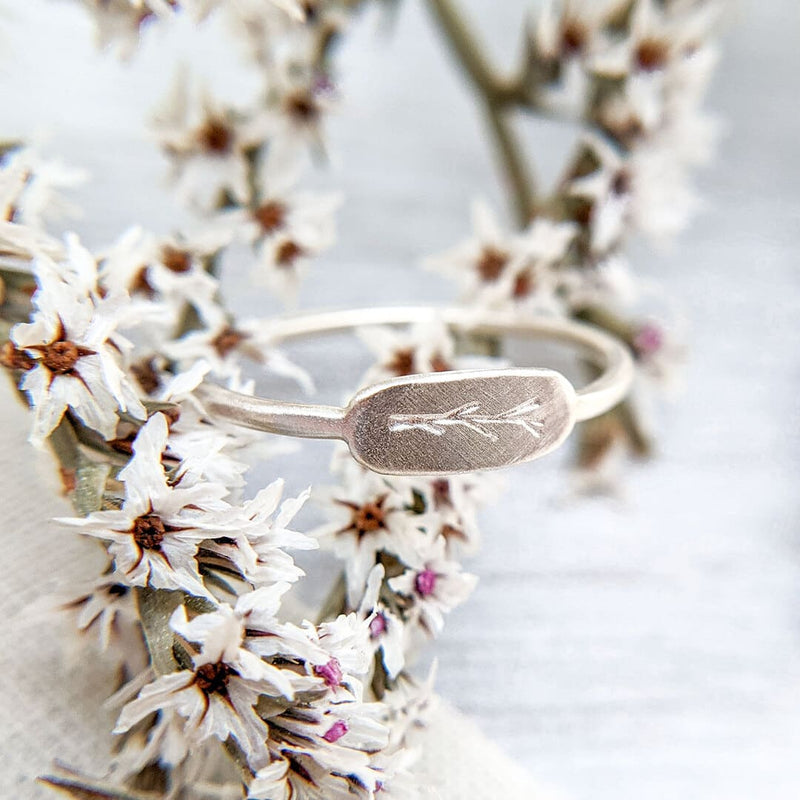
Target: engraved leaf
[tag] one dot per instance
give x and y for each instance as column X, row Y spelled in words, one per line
column 468, row 416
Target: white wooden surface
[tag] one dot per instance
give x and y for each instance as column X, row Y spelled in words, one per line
column 650, row 651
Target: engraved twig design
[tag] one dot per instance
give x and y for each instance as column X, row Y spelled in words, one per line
column 469, row 416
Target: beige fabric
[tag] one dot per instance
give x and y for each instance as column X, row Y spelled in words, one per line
column 50, row 705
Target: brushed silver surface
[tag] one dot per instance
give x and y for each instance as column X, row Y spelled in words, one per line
column 460, row 421
column 449, row 422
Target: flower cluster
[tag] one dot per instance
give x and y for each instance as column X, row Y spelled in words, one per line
column 634, row 75
column 190, row 599
column 401, row 541
column 241, row 167
column 290, row 697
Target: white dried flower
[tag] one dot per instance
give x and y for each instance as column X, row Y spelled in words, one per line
column 664, row 53
column 386, row 629
column 436, row 586
column 423, row 347
column 118, row 23
column 258, row 535
column 210, row 448
column 480, row 260
column 26, row 243
column 222, row 345
column 608, row 282
column 647, row 191
column 574, row 28
column 568, row 35
column 299, row 100
column 209, row 145
column 171, row 271
column 532, row 281
column 368, row 516
column 31, row 187
column 218, row 695
column 103, row 613
column 286, row 226
column 499, row 270
column 73, row 348
column 153, row 538
column 325, row 751
column 451, row 506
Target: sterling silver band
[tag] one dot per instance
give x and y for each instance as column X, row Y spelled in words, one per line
column 445, row 422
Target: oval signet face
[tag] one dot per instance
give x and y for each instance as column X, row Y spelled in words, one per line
column 462, row 421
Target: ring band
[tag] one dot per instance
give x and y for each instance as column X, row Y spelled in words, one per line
column 445, row 422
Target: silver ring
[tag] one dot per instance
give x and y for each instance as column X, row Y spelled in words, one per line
column 446, row 422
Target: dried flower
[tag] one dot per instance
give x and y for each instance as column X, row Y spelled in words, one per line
column 73, row 340
column 31, row 186
column 436, row 586
column 222, row 345
column 501, row 270
column 217, row 697
column 169, row 271
column 153, row 538
column 209, row 145
column 368, row 516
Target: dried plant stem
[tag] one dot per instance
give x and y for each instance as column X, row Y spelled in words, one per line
column 336, row 601
column 624, row 417
column 82, row 788
column 517, row 171
column 500, row 96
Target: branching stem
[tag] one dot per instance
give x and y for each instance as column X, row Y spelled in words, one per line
column 500, row 96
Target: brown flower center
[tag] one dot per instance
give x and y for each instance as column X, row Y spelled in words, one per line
column 573, row 37
column 175, row 259
column 523, row 284
column 452, row 532
column 441, row 493
column 402, row 362
column 141, row 283
column 271, row 216
column 148, row 531
column 227, row 340
column 213, row 678
column 287, row 253
column 491, row 263
column 60, row 357
column 652, row 54
column 369, row 517
column 621, row 183
column 215, row 136
column 439, row 363
column 302, row 107
column 310, row 10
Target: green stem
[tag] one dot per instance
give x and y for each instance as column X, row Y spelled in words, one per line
column 336, row 601
column 155, row 607
column 517, row 172
column 499, row 96
column 465, row 46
